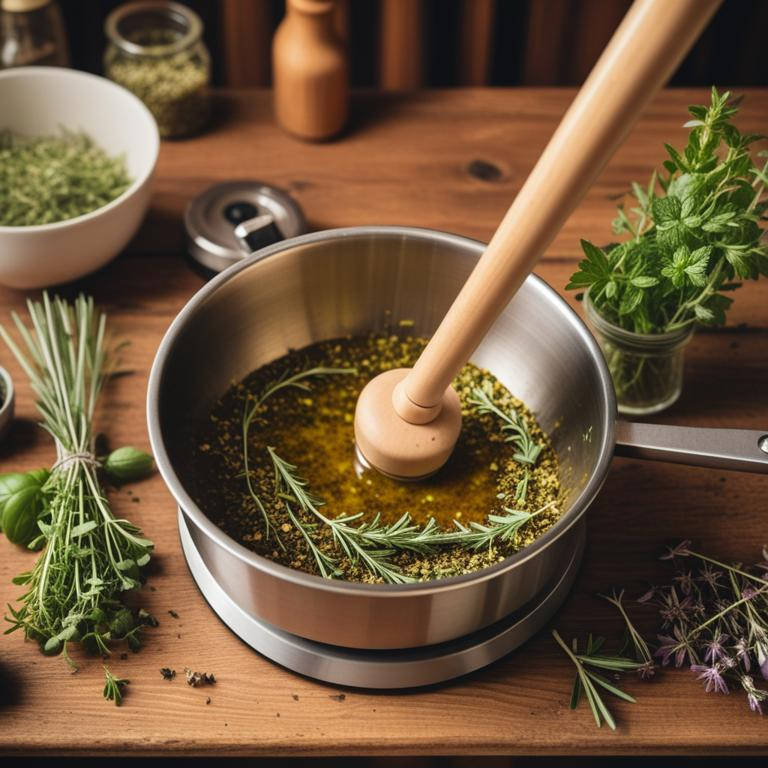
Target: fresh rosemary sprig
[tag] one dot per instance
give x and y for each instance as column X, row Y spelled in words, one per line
column 290, row 487
column 52, row 178
column 325, row 563
column 113, row 687
column 297, row 381
column 75, row 589
column 405, row 534
column 587, row 679
column 527, row 450
column 372, row 543
column 504, row 527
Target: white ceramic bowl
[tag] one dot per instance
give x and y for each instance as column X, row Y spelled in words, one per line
column 41, row 100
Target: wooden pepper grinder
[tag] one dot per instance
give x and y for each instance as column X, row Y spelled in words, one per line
column 309, row 65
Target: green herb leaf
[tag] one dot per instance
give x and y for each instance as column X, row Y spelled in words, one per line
column 21, row 505
column 594, row 270
column 128, row 464
column 113, row 687
column 644, row 281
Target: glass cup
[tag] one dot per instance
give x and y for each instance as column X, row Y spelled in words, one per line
column 647, row 368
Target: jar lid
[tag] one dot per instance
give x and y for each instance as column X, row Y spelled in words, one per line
column 260, row 213
column 22, row 6
column 128, row 24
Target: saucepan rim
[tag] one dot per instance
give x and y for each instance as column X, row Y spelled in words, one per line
column 193, row 512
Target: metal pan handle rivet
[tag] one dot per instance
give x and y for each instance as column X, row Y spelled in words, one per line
column 762, row 443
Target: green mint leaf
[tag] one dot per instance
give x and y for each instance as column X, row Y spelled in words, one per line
column 630, row 300
column 595, row 269
column 644, row 281
column 666, row 209
column 128, row 464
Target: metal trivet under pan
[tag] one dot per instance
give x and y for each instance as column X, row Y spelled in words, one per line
column 406, row 668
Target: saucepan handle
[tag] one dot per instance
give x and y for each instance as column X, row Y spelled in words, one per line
column 741, row 449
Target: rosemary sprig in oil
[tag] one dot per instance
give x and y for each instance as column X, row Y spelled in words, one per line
column 372, row 543
column 290, row 486
column 478, row 536
column 297, row 381
column 527, row 449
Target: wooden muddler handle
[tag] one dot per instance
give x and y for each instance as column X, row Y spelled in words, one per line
column 648, row 45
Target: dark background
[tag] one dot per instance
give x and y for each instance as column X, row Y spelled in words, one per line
column 531, row 42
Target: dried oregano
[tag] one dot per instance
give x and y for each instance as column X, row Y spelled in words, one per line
column 44, row 179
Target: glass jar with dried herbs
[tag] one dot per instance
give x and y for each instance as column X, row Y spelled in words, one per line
column 693, row 235
column 156, row 51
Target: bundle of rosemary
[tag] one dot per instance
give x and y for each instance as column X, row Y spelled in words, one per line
column 90, row 558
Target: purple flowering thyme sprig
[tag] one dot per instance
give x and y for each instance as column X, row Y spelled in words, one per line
column 715, row 620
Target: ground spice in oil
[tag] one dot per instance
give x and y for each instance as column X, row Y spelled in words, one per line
column 314, row 431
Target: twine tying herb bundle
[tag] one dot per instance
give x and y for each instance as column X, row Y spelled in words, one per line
column 74, row 592
column 44, row 179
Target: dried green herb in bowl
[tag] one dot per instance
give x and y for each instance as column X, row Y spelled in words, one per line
column 44, row 179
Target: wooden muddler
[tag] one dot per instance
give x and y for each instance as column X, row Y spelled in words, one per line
column 644, row 51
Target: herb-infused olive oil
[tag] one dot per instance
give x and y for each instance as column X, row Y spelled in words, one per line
column 275, row 468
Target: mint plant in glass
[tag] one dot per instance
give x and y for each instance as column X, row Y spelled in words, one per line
column 692, row 235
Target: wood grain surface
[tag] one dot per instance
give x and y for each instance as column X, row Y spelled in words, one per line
column 452, row 161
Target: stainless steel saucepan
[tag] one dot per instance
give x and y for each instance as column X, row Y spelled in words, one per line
column 363, row 279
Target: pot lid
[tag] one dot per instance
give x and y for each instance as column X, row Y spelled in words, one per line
column 261, row 214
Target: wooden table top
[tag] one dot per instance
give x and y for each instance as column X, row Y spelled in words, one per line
column 452, row 161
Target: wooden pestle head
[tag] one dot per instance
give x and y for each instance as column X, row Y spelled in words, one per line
column 400, row 438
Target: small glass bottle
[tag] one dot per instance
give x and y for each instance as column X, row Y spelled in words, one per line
column 156, row 50
column 309, row 68
column 32, row 34
column 647, row 368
